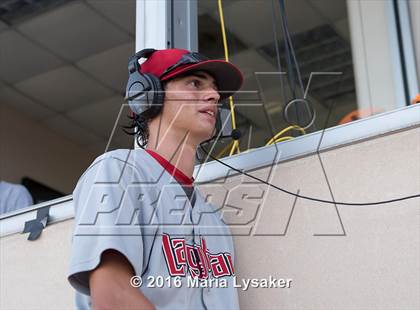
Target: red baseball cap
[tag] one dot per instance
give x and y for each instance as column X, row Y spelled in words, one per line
column 170, row 63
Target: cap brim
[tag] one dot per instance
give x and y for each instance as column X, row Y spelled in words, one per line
column 228, row 77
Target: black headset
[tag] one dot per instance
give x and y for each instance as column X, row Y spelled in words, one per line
column 144, row 90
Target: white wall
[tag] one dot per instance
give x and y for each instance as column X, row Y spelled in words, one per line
column 375, row 266
column 28, row 148
column 34, row 273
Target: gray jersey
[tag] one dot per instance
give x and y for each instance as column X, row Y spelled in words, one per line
column 13, row 197
column 183, row 254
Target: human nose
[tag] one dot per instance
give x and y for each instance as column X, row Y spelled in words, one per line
column 212, row 95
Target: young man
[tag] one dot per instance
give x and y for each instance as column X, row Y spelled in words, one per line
column 138, row 217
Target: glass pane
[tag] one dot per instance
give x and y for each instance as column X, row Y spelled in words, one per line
column 62, row 78
column 413, row 7
column 321, row 44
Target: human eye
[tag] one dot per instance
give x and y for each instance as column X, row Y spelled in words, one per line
column 195, row 83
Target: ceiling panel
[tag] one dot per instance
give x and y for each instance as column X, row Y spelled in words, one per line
column 250, row 61
column 88, row 34
column 241, row 18
column 100, row 117
column 110, row 66
column 23, row 104
column 2, row 26
column 206, row 6
column 250, row 105
column 211, row 6
column 64, row 89
column 268, row 88
column 342, row 28
column 302, row 17
column 71, row 130
column 123, row 13
column 331, row 9
column 254, row 114
column 21, row 59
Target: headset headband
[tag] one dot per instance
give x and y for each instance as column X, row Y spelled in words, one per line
column 133, row 63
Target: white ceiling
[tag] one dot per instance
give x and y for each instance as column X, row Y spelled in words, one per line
column 67, row 67
column 248, row 60
column 2, row 26
column 71, row 78
column 99, row 117
column 64, row 89
column 302, row 15
column 21, row 58
column 330, row 9
column 122, row 13
column 112, row 73
column 89, row 34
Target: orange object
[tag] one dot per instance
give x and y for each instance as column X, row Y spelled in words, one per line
column 358, row 114
column 416, row 100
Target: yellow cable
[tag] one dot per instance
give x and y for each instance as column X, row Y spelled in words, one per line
column 222, row 24
column 284, row 131
column 224, row 149
column 225, row 46
column 280, row 133
column 283, row 139
column 234, row 147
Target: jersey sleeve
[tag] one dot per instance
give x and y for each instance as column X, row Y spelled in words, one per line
column 24, row 197
column 105, row 202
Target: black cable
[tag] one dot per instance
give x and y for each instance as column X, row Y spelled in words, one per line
column 290, row 71
column 291, row 61
column 276, row 45
column 307, row 197
column 292, row 50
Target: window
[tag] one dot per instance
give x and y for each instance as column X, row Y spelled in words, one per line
column 353, row 43
column 415, row 26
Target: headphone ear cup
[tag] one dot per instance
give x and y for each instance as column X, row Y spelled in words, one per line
column 158, row 93
column 141, row 92
column 137, row 92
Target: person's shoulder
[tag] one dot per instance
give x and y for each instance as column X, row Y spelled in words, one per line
column 17, row 189
column 8, row 186
column 114, row 165
column 131, row 158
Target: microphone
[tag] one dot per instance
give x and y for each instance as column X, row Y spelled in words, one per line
column 235, row 134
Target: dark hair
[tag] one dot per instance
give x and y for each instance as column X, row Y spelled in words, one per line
column 139, row 123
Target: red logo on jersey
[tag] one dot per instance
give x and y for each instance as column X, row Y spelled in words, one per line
column 182, row 258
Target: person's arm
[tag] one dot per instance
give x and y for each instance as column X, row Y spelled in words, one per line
column 110, row 285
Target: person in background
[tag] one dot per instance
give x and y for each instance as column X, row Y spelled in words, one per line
column 13, row 197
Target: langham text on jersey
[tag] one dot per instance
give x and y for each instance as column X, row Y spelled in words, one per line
column 182, row 258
